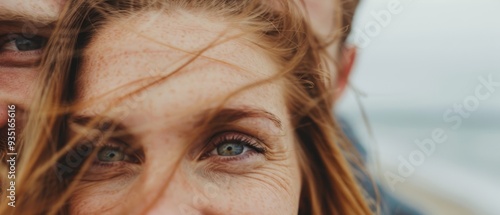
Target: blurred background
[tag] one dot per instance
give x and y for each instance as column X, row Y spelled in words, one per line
column 418, row 69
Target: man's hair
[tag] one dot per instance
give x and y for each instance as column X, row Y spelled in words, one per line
column 349, row 8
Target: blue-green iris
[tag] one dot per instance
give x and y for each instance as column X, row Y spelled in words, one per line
column 110, row 155
column 230, row 149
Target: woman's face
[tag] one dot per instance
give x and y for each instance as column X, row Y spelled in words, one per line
column 244, row 165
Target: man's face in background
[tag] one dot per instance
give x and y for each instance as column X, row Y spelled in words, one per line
column 25, row 26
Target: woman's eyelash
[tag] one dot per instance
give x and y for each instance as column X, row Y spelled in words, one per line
column 226, row 146
column 233, row 137
column 245, row 139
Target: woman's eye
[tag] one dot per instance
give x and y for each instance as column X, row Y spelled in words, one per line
column 110, row 155
column 116, row 153
column 19, row 43
column 230, row 149
column 234, row 145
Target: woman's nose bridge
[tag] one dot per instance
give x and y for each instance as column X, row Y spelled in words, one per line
column 180, row 196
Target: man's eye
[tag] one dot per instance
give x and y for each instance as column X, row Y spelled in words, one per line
column 19, row 43
column 17, row 50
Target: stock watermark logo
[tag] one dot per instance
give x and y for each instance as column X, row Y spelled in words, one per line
column 72, row 161
column 380, row 19
column 11, row 155
column 454, row 116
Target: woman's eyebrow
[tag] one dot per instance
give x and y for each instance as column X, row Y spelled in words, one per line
column 211, row 116
column 230, row 115
column 102, row 124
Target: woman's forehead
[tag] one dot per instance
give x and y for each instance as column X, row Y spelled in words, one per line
column 129, row 53
column 178, row 33
column 158, row 44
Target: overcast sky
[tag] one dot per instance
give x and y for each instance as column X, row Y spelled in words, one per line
column 429, row 55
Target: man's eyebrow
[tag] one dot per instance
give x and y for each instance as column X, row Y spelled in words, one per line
column 230, row 115
column 9, row 16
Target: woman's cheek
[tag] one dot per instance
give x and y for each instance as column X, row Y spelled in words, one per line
column 278, row 196
column 101, row 197
column 251, row 194
column 257, row 193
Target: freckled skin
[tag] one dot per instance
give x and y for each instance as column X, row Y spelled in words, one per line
column 13, row 82
column 123, row 52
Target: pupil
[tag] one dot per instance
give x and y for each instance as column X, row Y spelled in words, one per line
column 229, row 148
